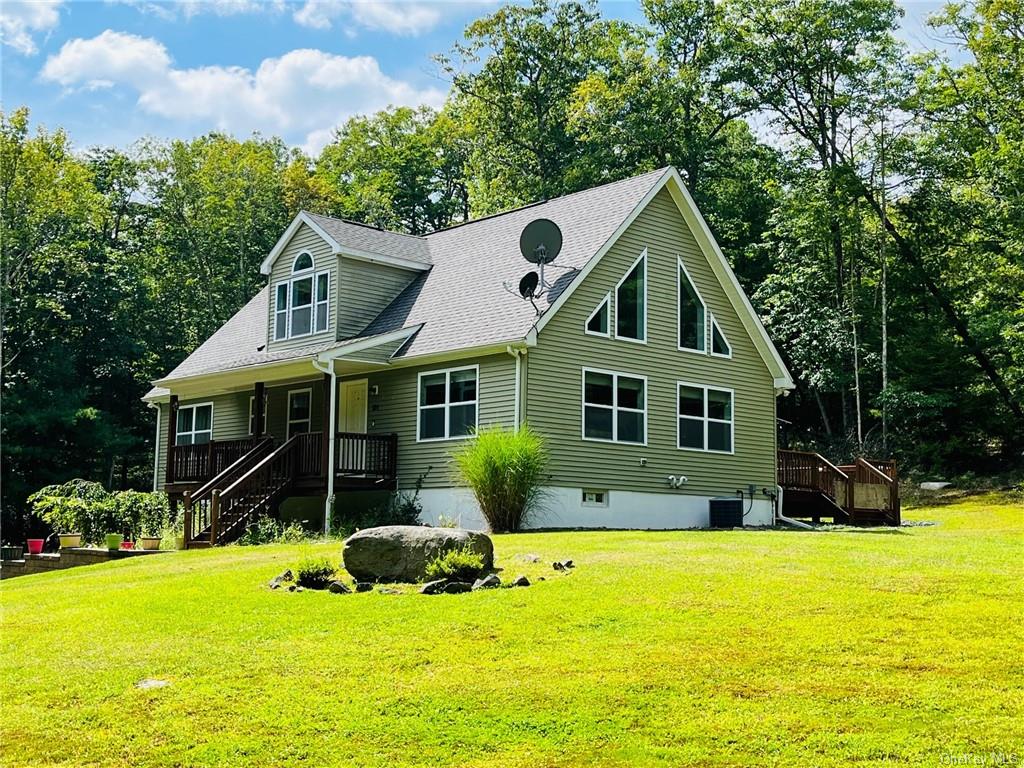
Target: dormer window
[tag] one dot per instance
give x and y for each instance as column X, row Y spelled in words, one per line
column 302, row 304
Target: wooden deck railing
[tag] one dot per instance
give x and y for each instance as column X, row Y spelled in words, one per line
column 813, row 472
column 370, row 455
column 203, row 461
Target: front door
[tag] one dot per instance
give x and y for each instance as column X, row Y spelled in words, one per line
column 352, row 417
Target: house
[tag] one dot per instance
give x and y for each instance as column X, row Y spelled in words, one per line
column 370, row 355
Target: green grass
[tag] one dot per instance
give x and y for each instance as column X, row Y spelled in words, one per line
column 680, row 648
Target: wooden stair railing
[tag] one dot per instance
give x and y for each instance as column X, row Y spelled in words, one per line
column 253, row 493
column 197, row 503
column 883, row 473
column 803, row 470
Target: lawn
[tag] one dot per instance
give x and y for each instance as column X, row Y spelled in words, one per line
column 698, row 648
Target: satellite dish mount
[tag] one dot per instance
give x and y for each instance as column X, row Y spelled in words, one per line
column 539, row 243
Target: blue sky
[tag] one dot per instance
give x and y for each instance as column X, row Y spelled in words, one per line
column 112, row 71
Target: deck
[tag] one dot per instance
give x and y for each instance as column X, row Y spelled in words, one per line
column 865, row 492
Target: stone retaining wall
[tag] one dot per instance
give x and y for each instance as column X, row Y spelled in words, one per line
column 67, row 558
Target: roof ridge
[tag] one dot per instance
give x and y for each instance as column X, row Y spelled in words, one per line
column 547, row 200
column 361, row 224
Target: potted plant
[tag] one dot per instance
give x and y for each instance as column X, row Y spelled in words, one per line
column 149, row 542
column 127, row 544
column 35, row 546
column 112, row 540
column 69, row 540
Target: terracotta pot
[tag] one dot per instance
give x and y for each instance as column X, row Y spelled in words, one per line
column 149, row 543
column 35, row 546
column 69, row 540
column 112, row 540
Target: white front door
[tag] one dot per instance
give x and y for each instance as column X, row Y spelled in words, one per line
column 352, row 417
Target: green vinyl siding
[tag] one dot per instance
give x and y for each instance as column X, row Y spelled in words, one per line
column 394, row 409
column 304, row 239
column 554, row 377
column 277, row 407
column 365, row 289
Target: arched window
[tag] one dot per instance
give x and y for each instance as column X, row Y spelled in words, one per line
column 302, row 262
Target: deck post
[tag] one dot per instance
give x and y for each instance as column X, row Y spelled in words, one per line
column 259, row 408
column 187, row 527
column 326, row 435
column 214, row 514
column 172, row 431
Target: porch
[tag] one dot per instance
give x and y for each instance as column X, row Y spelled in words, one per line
column 313, row 451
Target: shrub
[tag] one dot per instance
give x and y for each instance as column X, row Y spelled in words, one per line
column 267, row 530
column 505, row 469
column 456, row 565
column 314, row 572
column 400, row 508
column 80, row 506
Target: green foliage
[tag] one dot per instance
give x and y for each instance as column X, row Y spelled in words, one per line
column 505, row 469
column 461, row 564
column 398, row 508
column 80, row 506
column 267, row 530
column 314, row 572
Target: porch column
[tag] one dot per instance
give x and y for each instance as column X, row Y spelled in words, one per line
column 259, row 408
column 172, row 431
column 327, row 426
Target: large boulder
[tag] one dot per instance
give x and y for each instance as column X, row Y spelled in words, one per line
column 401, row 552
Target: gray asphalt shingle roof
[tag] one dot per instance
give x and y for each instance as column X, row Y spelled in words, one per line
column 363, row 237
column 461, row 301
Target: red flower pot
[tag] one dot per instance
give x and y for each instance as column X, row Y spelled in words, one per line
column 127, row 545
column 35, row 546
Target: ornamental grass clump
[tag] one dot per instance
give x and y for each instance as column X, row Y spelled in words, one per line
column 505, row 469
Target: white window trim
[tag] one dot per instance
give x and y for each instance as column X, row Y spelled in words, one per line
column 192, row 407
column 679, row 301
column 606, row 301
column 711, row 338
column 614, row 407
column 252, row 406
column 447, row 403
column 706, row 419
column 595, row 504
column 306, row 274
column 312, row 263
column 613, row 328
column 288, row 412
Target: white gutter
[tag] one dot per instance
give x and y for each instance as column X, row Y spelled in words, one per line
column 333, row 427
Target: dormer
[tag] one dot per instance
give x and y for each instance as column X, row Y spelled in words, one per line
column 329, row 278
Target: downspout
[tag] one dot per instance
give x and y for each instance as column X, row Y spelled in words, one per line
column 517, row 353
column 331, row 443
column 780, row 518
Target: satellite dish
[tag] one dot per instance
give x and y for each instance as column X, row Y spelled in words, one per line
column 540, row 241
column 528, row 285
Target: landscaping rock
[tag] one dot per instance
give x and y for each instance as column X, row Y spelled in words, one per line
column 457, row 587
column 292, row 587
column 364, row 586
column 286, row 575
column 277, row 581
column 433, row 587
column 401, row 552
column 520, row 581
column 388, row 591
column 490, row 581
column 530, row 558
column 562, row 565
column 338, row 588
column 935, row 486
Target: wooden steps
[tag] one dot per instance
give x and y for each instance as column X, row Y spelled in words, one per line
column 863, row 493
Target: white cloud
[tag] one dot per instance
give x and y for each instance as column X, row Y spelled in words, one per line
column 19, row 19
column 400, row 18
column 301, row 95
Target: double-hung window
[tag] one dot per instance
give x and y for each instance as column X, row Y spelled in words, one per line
column 302, row 303
column 705, row 418
column 300, row 411
column 614, row 407
column 447, row 405
column 195, row 424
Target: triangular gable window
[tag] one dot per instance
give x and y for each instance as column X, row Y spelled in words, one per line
column 631, row 302
column 719, row 345
column 692, row 328
column 597, row 323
